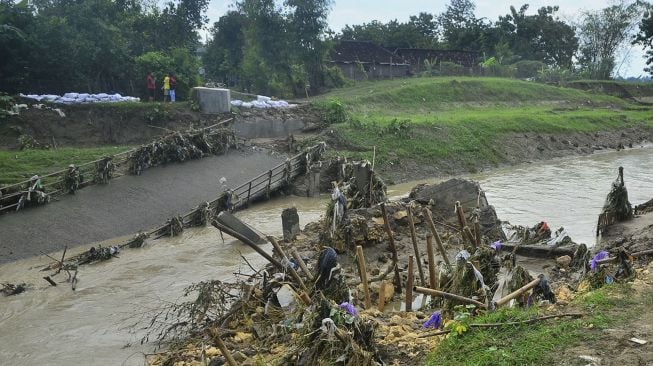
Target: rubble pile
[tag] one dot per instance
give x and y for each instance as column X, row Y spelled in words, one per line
column 324, row 319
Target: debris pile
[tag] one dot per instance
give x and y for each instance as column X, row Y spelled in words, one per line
column 180, row 147
column 317, row 308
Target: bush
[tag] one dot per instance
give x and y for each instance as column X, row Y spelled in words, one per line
column 557, row 75
column 450, row 69
column 528, row 69
column 492, row 67
column 334, row 78
column 334, row 112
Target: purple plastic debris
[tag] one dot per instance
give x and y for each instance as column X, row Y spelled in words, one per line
column 496, row 245
column 349, row 308
column 434, row 321
column 599, row 256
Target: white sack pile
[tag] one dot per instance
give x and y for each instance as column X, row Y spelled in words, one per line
column 262, row 102
column 81, row 98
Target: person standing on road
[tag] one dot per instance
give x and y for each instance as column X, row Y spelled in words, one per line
column 151, row 86
column 166, row 88
column 173, row 86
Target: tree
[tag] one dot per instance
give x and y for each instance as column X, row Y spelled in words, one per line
column 224, row 51
column 645, row 36
column 15, row 18
column 542, row 36
column 420, row 31
column 602, row 34
column 460, row 27
column 306, row 24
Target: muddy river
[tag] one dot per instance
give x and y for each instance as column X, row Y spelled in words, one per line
column 92, row 326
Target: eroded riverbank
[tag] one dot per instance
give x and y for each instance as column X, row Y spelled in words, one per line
column 93, row 323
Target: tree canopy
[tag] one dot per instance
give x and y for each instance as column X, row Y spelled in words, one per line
column 282, row 47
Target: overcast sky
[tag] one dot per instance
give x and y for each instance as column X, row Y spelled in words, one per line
column 364, row 11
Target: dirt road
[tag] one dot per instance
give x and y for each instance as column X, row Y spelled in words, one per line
column 126, row 205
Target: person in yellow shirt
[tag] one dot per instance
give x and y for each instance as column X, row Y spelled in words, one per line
column 166, row 88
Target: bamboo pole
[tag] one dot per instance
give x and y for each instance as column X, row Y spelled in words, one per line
column 461, row 215
column 477, row 232
column 223, row 348
column 248, row 242
column 429, row 221
column 431, row 258
column 413, row 237
column 447, row 295
column 409, row 285
column 470, row 237
column 301, row 264
column 363, row 273
column 393, row 248
column 382, row 296
column 642, row 253
column 292, row 271
column 504, row 300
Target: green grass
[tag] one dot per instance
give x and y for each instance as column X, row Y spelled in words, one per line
column 421, row 95
column 538, row 343
column 16, row 166
column 464, row 120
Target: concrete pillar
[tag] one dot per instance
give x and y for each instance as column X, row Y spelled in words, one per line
column 212, row 100
column 290, row 223
column 313, row 183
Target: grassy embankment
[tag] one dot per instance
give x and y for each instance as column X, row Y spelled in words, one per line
column 465, row 119
column 16, row 166
column 19, row 165
column 544, row 343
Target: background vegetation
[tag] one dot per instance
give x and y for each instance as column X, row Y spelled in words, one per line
column 282, row 48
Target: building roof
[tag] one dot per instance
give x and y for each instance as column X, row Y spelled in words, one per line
column 366, row 52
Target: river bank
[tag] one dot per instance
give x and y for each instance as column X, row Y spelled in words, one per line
column 446, row 126
column 157, row 274
column 261, row 332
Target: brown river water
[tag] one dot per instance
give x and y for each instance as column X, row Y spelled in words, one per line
column 91, row 326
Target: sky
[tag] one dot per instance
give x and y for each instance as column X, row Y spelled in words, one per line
column 363, row 11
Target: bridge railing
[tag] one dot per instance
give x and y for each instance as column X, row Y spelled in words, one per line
column 257, row 188
column 54, row 183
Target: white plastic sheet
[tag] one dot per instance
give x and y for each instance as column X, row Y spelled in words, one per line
column 262, row 102
column 81, row 98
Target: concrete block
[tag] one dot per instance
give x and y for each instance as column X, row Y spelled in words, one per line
column 290, row 223
column 212, row 100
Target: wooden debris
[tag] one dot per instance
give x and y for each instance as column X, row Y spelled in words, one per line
column 393, row 247
column 362, row 268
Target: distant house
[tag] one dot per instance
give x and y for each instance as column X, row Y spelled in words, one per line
column 365, row 60
column 416, row 57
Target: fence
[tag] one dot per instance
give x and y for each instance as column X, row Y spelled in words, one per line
column 255, row 189
column 606, row 218
column 236, row 198
column 12, row 197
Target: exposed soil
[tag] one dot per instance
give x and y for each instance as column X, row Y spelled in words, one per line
column 92, row 125
column 513, row 149
column 613, row 346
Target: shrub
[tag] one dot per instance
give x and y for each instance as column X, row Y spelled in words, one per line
column 334, row 78
column 334, row 112
column 447, row 68
column 528, row 69
column 557, row 75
